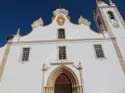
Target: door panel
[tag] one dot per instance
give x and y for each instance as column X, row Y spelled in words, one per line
column 63, row 84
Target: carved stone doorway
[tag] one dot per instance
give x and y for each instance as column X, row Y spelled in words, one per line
column 63, row 84
column 55, row 84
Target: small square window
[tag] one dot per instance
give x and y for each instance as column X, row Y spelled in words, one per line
column 99, row 51
column 25, row 54
column 61, row 33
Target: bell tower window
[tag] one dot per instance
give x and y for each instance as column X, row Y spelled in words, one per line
column 111, row 15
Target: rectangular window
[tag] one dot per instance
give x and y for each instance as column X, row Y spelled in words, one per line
column 62, row 52
column 61, row 33
column 99, row 51
column 25, row 54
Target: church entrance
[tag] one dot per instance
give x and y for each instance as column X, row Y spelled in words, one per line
column 63, row 84
column 63, row 80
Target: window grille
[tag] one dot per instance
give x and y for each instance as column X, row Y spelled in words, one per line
column 99, row 51
column 62, row 52
column 25, row 54
column 61, row 33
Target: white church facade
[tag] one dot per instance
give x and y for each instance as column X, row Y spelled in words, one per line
column 64, row 57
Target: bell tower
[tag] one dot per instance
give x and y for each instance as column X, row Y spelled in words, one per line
column 109, row 20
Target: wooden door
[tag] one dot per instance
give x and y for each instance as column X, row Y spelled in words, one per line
column 63, row 84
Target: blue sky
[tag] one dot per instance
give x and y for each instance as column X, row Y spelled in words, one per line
column 21, row 13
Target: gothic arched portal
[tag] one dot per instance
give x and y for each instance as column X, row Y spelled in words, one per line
column 71, row 81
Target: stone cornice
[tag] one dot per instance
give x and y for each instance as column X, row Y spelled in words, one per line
column 62, row 41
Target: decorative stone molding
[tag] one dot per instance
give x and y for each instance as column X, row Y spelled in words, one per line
column 49, row 88
column 116, row 25
column 4, row 60
column 60, row 20
column 84, row 21
column 120, row 17
column 62, row 63
column 123, row 66
column 101, row 3
column 119, row 54
column 78, row 67
column 18, row 32
column 37, row 23
column 44, row 67
column 102, row 28
column 60, row 11
column 111, row 3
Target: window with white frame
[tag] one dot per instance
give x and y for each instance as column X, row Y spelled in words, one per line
column 62, row 52
column 99, row 51
column 25, row 54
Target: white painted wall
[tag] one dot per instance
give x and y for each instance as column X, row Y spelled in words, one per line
column 99, row 74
